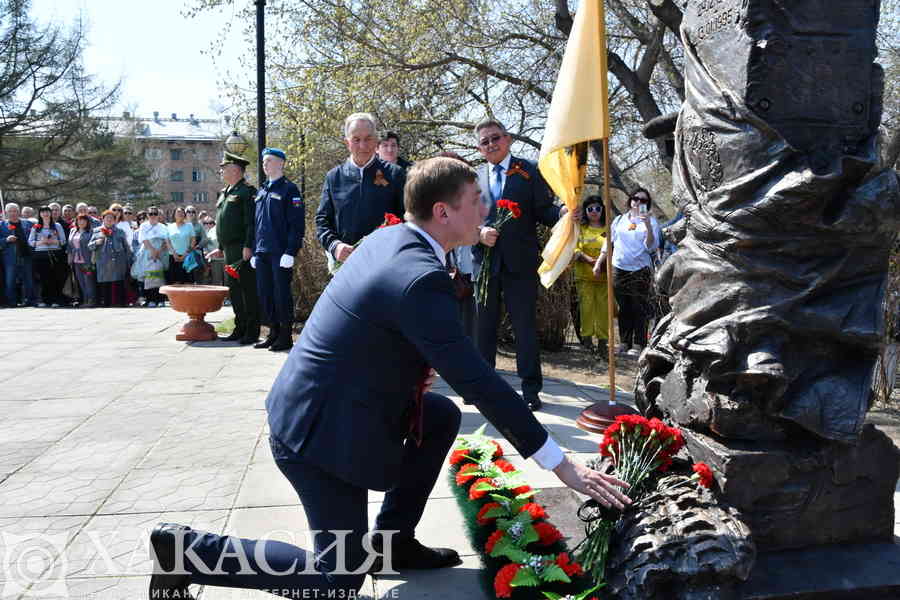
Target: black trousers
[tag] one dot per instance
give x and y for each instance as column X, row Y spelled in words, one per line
column 51, row 268
column 244, row 298
column 331, row 504
column 177, row 274
column 633, row 290
column 519, row 293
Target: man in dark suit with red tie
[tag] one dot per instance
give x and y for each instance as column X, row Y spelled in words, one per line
column 339, row 411
column 514, row 261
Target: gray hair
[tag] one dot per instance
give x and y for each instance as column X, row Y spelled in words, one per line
column 84, row 204
column 54, row 204
column 11, row 205
column 360, row 116
column 488, row 122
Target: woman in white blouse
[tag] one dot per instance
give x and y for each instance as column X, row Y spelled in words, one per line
column 635, row 237
column 48, row 241
column 152, row 258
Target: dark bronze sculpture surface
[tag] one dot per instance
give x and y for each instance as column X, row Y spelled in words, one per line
column 777, row 284
column 768, row 355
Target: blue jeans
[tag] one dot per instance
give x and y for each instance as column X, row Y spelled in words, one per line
column 15, row 268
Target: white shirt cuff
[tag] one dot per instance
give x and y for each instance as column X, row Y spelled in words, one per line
column 549, row 455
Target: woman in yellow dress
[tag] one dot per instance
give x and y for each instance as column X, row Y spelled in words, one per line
column 592, row 292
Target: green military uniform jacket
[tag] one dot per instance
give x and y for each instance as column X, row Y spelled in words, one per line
column 235, row 223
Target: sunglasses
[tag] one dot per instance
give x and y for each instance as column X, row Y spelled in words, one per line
column 152, row 214
column 209, row 222
column 491, row 140
column 190, row 212
column 593, row 209
column 128, row 212
column 117, row 210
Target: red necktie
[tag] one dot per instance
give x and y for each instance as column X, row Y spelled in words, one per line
column 417, row 409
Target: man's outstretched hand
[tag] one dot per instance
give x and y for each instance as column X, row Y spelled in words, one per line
column 599, row 486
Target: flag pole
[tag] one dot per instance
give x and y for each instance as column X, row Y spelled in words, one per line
column 610, row 300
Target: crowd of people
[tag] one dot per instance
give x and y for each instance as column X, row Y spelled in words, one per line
column 76, row 256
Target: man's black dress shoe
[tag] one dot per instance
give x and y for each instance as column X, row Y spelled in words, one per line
column 165, row 584
column 270, row 339
column 232, row 337
column 533, row 402
column 412, row 554
column 246, row 340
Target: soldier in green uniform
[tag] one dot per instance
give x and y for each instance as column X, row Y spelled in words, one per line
column 235, row 227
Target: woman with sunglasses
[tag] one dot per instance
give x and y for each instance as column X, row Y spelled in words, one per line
column 593, row 307
column 635, row 237
column 152, row 259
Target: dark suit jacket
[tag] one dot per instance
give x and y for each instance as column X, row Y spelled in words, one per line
column 350, row 208
column 342, row 396
column 517, row 248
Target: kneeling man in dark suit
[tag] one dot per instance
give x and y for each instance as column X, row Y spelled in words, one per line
column 340, row 412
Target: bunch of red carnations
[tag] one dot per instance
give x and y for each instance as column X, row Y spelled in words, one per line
column 506, row 210
column 638, row 449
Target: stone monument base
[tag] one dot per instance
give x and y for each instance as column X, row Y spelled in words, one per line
column 806, row 492
column 844, row 572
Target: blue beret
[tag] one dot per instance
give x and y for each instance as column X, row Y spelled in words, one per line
column 275, row 152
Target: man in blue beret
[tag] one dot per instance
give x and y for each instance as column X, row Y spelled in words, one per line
column 280, row 223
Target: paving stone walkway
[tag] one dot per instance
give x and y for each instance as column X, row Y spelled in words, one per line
column 108, row 426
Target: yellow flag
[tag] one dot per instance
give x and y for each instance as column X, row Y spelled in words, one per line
column 578, row 114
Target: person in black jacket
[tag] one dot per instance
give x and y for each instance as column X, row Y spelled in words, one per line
column 514, row 261
column 357, row 194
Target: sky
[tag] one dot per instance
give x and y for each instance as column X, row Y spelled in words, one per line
column 162, row 57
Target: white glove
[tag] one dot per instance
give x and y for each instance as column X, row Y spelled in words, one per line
column 286, row 262
column 252, row 262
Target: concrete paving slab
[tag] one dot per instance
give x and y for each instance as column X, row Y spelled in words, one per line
column 118, row 545
column 29, row 493
column 462, row 581
column 265, row 485
column 206, row 488
column 43, row 539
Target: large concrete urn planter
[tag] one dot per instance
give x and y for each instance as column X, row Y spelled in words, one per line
column 196, row 301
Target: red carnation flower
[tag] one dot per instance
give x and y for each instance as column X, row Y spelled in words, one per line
column 476, row 494
column 568, row 566
column 492, row 541
column 232, row 272
column 521, row 490
column 106, row 231
column 390, row 219
column 504, row 465
column 458, row 456
column 536, row 510
column 484, row 509
column 498, row 449
column 504, row 578
column 549, row 534
column 665, row 464
column 12, row 227
column 705, row 473
column 37, row 226
column 463, row 476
